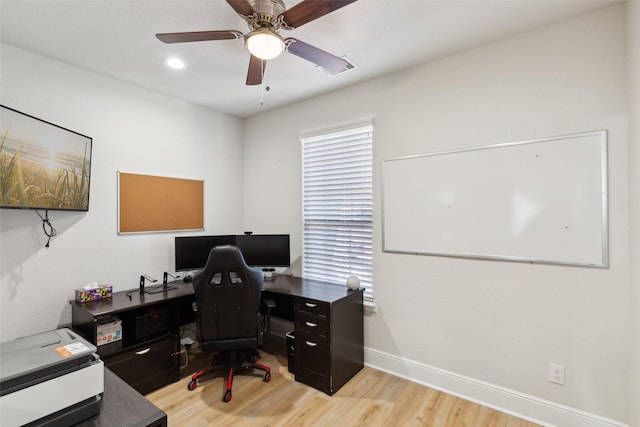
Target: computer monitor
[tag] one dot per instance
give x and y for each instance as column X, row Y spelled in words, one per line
column 265, row 250
column 258, row 250
column 192, row 252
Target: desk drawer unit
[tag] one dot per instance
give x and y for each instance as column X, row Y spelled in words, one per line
column 315, row 327
column 314, row 362
column 148, row 366
column 313, row 344
column 313, row 308
column 328, row 341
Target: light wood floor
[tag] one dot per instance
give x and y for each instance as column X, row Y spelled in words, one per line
column 371, row 398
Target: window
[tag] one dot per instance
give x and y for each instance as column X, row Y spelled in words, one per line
column 337, row 186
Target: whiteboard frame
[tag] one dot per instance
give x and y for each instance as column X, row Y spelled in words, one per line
column 604, row 233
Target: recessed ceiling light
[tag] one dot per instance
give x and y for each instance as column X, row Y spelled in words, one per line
column 175, row 63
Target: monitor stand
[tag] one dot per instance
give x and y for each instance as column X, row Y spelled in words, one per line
column 269, row 273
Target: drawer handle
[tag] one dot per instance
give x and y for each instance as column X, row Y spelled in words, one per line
column 311, row 344
column 308, row 304
column 141, row 352
column 312, row 325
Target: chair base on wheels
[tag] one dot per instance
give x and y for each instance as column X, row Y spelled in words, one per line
column 234, row 362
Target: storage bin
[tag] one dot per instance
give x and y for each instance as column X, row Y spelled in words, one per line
column 291, row 351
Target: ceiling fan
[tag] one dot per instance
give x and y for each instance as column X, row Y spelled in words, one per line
column 265, row 19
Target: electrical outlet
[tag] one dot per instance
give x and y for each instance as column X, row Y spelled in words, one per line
column 556, row 373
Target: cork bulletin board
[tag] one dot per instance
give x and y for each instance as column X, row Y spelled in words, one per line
column 153, row 203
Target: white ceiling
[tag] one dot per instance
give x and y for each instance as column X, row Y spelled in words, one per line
column 117, row 38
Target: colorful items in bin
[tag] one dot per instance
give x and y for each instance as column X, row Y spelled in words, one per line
column 93, row 292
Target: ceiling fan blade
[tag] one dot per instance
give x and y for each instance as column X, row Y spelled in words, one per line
column 242, row 7
column 308, row 10
column 199, row 36
column 329, row 62
column 256, row 71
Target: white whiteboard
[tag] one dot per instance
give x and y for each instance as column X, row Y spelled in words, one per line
column 538, row 201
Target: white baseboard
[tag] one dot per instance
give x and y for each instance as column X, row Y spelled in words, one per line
column 531, row 408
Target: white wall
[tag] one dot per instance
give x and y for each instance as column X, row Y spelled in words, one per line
column 133, row 130
column 633, row 39
column 494, row 322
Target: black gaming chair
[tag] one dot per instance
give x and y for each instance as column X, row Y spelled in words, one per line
column 227, row 294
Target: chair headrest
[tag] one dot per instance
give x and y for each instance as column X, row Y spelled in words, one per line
column 226, row 258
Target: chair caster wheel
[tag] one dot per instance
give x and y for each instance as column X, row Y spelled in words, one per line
column 267, row 377
column 227, row 396
column 192, row 385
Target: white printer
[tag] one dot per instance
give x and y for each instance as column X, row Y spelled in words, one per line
column 52, row 378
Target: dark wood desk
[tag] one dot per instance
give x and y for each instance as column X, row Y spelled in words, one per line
column 122, row 406
column 306, row 288
column 147, row 355
column 328, row 318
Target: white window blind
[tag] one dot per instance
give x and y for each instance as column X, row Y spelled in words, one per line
column 337, row 185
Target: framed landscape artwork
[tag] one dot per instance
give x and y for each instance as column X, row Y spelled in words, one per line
column 42, row 165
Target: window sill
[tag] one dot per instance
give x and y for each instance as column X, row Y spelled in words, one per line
column 369, row 307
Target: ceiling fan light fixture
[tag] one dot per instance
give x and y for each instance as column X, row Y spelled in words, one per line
column 264, row 43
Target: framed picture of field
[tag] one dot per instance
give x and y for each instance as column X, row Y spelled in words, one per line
column 42, row 165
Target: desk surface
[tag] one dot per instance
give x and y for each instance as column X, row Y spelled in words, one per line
column 284, row 285
column 122, row 406
column 306, row 288
column 126, row 300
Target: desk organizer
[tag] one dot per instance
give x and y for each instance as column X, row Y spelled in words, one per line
column 93, row 294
